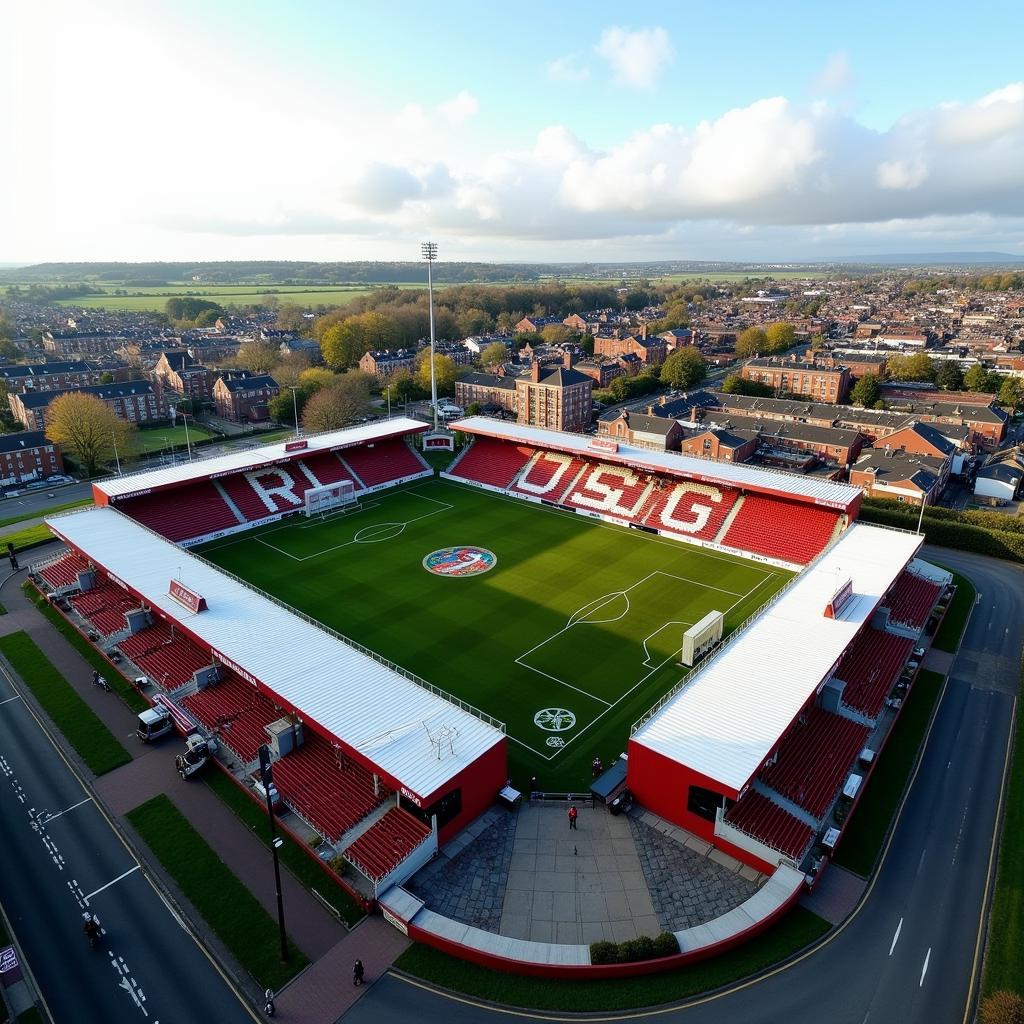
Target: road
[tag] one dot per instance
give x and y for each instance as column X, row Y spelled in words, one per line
column 59, row 855
column 908, row 954
column 33, row 503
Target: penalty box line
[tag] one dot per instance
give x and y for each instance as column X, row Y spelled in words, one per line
column 639, row 682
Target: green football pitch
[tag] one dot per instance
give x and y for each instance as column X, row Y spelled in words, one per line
column 572, row 634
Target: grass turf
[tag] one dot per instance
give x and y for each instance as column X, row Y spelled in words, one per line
column 124, row 689
column 296, row 860
column 948, row 636
column 234, row 914
column 798, row 929
column 535, row 632
column 27, row 537
column 92, row 740
column 862, row 841
column 155, row 439
column 1004, row 952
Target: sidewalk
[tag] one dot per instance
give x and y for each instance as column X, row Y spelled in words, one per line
column 323, row 992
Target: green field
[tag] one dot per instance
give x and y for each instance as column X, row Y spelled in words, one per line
column 154, row 299
column 568, row 639
column 157, row 439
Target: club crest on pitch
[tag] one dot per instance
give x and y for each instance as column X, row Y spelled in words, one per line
column 460, row 561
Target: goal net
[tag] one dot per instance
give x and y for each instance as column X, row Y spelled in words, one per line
column 701, row 637
column 325, row 499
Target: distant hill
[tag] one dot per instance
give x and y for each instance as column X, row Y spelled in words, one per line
column 944, row 259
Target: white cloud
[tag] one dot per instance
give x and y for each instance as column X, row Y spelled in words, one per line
column 637, row 57
column 902, row 174
column 836, row 74
column 568, row 68
column 459, row 108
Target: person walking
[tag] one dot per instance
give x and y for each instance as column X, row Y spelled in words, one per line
column 573, row 814
column 357, row 973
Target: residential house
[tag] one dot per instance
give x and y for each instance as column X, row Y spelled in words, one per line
column 559, row 398
column 135, row 401
column 179, row 375
column 244, row 399
column 28, row 455
column 900, row 475
column 797, row 377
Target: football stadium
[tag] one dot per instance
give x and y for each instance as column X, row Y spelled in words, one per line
column 552, row 617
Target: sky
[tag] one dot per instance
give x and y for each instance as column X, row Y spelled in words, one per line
column 533, row 131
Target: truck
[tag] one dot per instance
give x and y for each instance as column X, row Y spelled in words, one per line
column 153, row 723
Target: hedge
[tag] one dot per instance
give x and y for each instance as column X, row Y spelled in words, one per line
column 632, row 950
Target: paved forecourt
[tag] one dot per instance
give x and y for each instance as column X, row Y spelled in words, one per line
column 558, row 625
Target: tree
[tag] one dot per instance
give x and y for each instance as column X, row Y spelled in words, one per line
column 494, row 354
column 185, row 307
column 556, row 334
column 949, row 376
column 208, row 318
column 1002, row 1008
column 87, row 429
column 290, row 367
column 914, row 367
column 445, row 372
column 291, row 317
column 315, row 379
column 735, row 384
column 405, row 387
column 474, row 321
column 106, row 378
column 334, row 407
column 258, row 356
column 976, row 378
column 473, row 409
column 780, row 337
column 1011, row 392
column 751, row 342
column 343, row 344
column 866, row 391
column 282, row 407
column 684, row 369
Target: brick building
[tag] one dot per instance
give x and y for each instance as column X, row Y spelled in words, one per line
column 28, row 455
column 383, row 363
column 244, row 399
column 901, row 476
column 558, row 398
column 178, row 372
column 795, row 377
column 489, row 390
column 53, row 376
column 721, row 443
column 645, row 430
column 82, row 343
column 650, row 351
column 135, row 401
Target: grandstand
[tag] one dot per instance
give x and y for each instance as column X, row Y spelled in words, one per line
column 771, row 516
column 752, row 749
column 200, row 501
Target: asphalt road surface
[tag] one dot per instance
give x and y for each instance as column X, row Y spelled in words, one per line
column 34, row 503
column 59, row 856
column 908, row 954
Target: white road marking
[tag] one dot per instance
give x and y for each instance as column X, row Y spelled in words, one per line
column 896, row 937
column 924, row 969
column 7, row 700
column 111, row 882
column 87, row 800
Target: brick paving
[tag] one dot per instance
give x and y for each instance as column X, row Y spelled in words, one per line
column 835, row 896
column 687, row 887
column 467, row 881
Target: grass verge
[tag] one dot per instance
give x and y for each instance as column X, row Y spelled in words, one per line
column 22, row 539
column 948, row 636
column 235, row 915
column 1004, row 953
column 862, row 841
column 797, row 929
column 124, row 689
column 92, row 740
column 295, row 859
column 51, row 511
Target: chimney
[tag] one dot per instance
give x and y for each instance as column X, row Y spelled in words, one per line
column 567, row 359
column 693, row 414
column 643, row 331
column 650, row 410
column 662, row 399
column 535, row 371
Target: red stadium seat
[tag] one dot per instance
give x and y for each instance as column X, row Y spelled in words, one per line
column 383, row 846
column 64, row 572
column 814, row 758
column 781, row 529
column 689, row 509
column 168, row 658
column 383, row 462
column 870, row 666
column 329, row 469
column 236, row 711
column 183, row 513
column 104, row 605
column 911, row 600
column 491, row 462
column 771, row 824
column 549, row 475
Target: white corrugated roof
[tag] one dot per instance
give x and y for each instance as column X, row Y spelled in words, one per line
column 730, row 714
column 368, row 705
column 823, row 492
column 252, row 458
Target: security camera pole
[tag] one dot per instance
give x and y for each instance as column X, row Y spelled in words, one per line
column 429, row 250
column 267, row 777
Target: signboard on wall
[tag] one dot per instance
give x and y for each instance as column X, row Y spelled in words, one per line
column 296, row 446
column 839, row 601
column 187, row 598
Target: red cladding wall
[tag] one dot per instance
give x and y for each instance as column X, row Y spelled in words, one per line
column 479, row 783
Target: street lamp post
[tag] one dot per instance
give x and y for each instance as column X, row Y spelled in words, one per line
column 295, row 407
column 188, row 443
column 429, row 250
column 117, row 461
column 920, row 516
column 388, row 390
column 267, row 777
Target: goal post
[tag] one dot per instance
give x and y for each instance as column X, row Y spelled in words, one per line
column 329, row 497
column 702, row 636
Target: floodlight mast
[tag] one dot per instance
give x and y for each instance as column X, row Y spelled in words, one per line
column 429, row 250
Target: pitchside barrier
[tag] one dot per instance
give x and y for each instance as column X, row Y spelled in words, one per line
column 324, row 499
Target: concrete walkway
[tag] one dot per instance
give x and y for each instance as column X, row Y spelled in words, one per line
column 324, row 991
